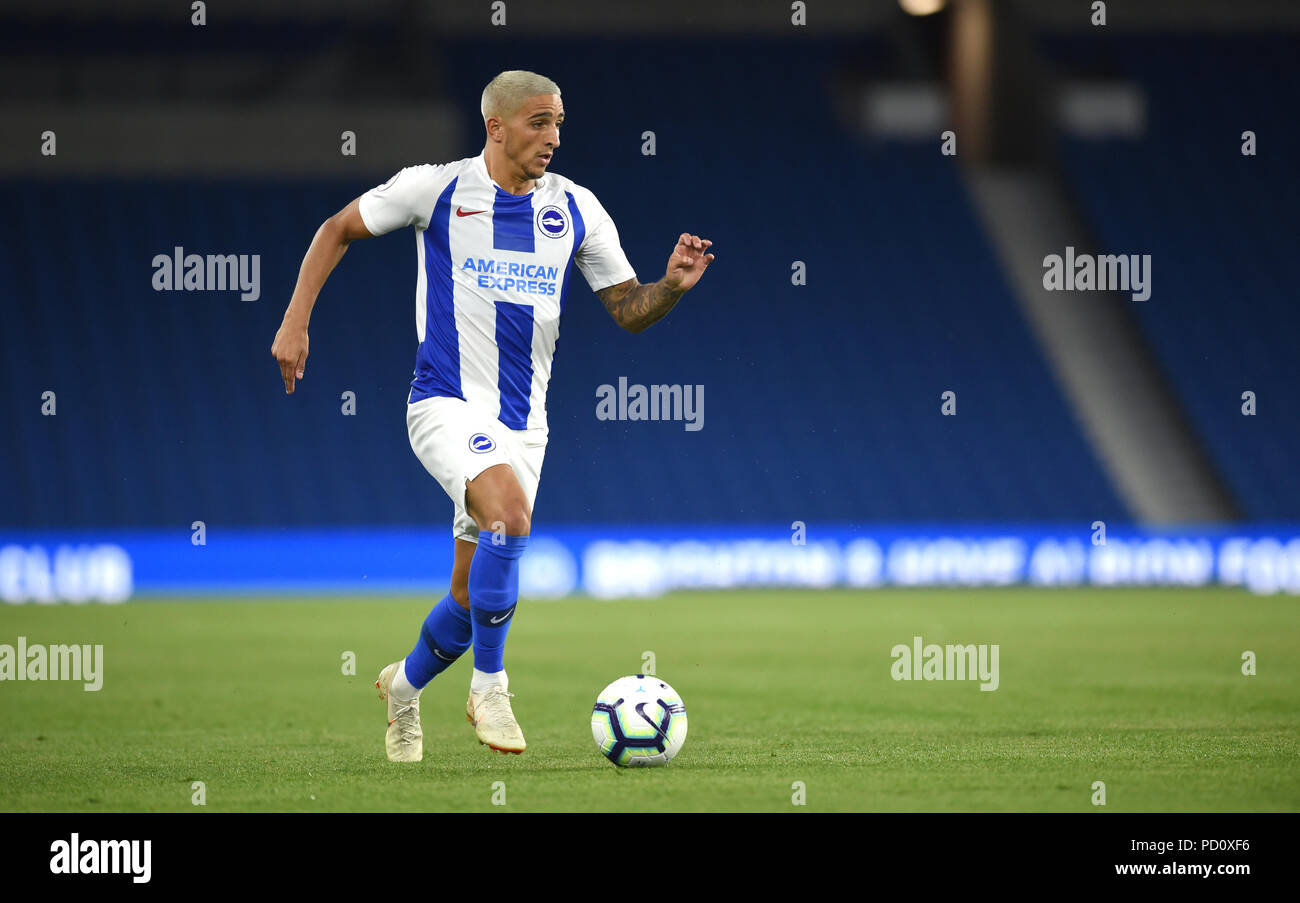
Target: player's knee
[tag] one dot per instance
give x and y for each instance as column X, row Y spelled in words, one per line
column 518, row 520
column 509, row 519
column 460, row 592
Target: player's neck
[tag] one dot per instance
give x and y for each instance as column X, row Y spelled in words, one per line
column 499, row 171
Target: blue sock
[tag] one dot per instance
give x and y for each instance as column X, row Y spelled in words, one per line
column 443, row 638
column 493, row 592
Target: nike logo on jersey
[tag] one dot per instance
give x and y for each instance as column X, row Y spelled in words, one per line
column 503, row 617
column 460, row 212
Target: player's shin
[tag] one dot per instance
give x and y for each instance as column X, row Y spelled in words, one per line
column 493, row 594
column 445, row 635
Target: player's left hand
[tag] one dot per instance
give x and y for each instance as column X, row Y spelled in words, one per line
column 688, row 262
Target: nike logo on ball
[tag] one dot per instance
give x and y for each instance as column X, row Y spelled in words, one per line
column 460, row 212
column 503, row 617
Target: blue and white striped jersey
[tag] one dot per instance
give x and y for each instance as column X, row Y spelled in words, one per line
column 494, row 271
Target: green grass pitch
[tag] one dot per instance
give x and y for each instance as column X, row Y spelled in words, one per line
column 1141, row 689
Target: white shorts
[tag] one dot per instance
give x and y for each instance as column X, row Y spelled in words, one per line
column 456, row 441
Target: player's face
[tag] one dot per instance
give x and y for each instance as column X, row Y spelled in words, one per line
column 533, row 134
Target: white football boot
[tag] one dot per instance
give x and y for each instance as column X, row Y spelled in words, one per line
column 405, row 740
column 494, row 721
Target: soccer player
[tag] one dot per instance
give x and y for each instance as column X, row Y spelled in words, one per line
column 496, row 239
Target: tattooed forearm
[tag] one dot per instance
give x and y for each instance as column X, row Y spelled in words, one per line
column 635, row 306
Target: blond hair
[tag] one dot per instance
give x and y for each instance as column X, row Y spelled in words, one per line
column 507, row 92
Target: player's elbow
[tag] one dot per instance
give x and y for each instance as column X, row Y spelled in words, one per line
column 345, row 226
column 331, row 231
column 335, row 231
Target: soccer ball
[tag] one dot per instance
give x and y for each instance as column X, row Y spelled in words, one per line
column 639, row 721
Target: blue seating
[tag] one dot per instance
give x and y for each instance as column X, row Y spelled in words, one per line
column 1220, row 228
column 821, row 402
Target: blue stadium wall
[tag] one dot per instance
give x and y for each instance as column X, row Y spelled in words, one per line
column 821, row 401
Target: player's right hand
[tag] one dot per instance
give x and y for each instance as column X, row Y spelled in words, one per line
column 290, row 351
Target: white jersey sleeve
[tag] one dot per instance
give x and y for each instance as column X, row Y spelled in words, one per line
column 600, row 257
column 407, row 199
